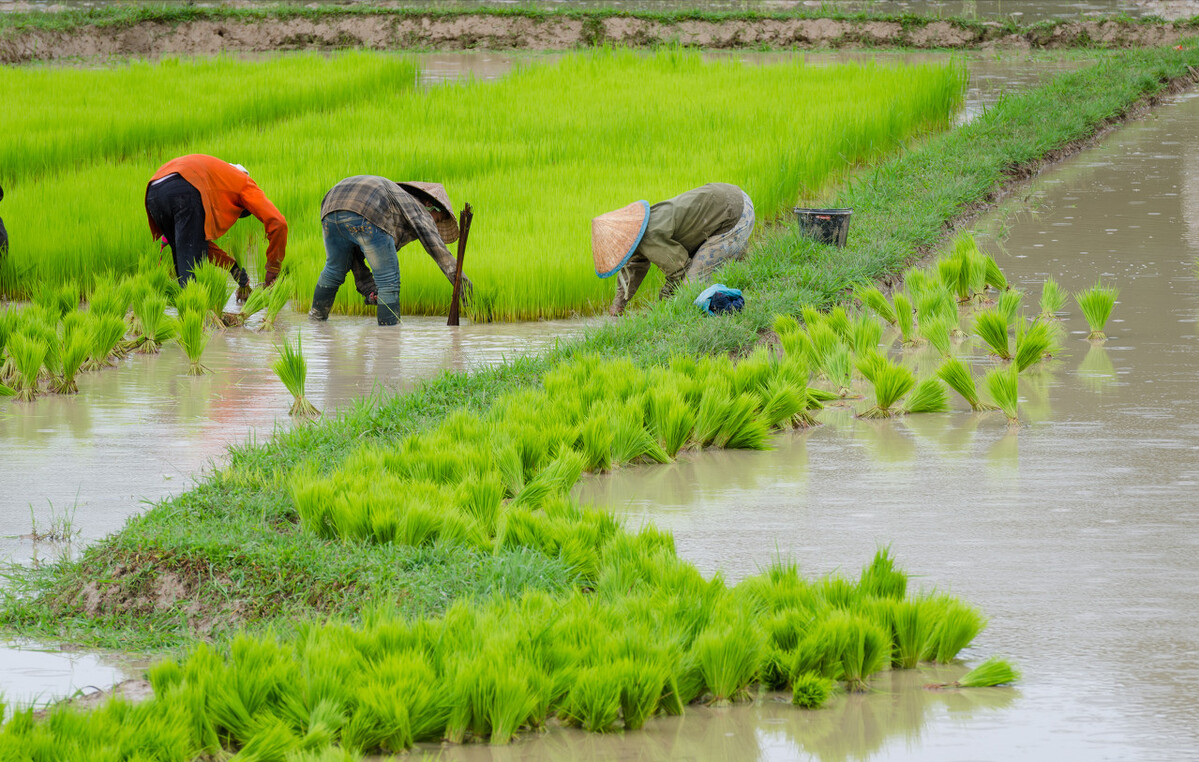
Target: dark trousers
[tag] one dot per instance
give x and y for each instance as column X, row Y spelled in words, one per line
column 178, row 211
column 4, row 240
column 364, row 280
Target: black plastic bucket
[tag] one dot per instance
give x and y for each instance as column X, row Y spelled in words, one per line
column 824, row 225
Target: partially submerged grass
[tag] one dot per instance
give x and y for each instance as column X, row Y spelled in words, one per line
column 1002, row 384
column 928, row 397
column 1053, row 298
column 193, row 339
column 1033, row 343
column 891, row 382
column 956, row 374
column 992, row 326
column 1096, row 304
column 28, row 355
column 992, row 672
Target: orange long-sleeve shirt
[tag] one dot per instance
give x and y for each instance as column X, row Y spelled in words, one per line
column 226, row 192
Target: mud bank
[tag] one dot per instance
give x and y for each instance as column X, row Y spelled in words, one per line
column 207, row 34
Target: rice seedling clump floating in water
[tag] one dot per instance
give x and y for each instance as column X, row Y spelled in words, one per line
column 992, row 326
column 1052, row 298
column 1002, row 385
column 1096, row 304
column 292, row 370
column 992, row 672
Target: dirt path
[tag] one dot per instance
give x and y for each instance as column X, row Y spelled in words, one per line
column 385, row 31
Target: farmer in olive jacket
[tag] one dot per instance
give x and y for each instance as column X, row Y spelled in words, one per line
column 370, row 217
column 687, row 237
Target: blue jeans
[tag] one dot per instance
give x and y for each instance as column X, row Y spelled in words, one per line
column 347, row 233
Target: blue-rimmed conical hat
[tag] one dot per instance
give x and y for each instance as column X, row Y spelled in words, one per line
column 615, row 236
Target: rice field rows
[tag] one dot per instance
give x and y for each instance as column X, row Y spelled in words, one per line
column 537, row 154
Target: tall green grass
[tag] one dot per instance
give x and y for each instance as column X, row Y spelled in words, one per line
column 624, row 137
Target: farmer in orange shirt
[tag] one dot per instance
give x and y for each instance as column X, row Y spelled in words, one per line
column 193, row 200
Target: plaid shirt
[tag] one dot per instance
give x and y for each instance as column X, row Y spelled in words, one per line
column 393, row 210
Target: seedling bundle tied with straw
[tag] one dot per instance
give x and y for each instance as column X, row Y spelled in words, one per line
column 293, row 372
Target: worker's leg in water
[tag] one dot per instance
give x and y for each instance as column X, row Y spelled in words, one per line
column 179, row 212
column 340, row 248
column 364, row 281
column 721, row 248
column 379, row 249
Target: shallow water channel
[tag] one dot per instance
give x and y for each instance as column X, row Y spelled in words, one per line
column 1077, row 535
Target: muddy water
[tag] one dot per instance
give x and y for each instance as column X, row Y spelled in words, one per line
column 1078, row 535
column 35, row 676
column 145, row 430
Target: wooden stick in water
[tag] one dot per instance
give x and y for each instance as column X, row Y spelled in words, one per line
column 463, row 229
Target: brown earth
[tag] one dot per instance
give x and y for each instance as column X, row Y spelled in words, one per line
column 508, row 32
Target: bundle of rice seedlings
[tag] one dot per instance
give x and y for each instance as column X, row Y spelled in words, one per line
column 785, row 324
column 912, row 625
column 904, row 318
column 866, row 335
column 193, row 339
column 798, row 346
column 867, row 650
column 193, row 297
column 956, row 374
column 156, row 329
column 838, row 369
column 891, row 381
column 1009, row 304
column 1096, row 304
column 671, row 420
column 594, row 699
column 107, row 333
column 1032, row 344
column 293, row 372
column 278, row 294
column 784, row 404
column 957, row 624
column 873, row 298
column 641, row 684
column 28, row 354
column 811, row 316
column 215, row 282
column 935, row 331
column 823, row 341
column 992, row 326
column 838, row 320
column 994, row 671
column 949, row 270
column 1002, row 384
column 928, row 397
column 810, row 690
column 1052, row 298
column 595, row 441
column 106, row 299
column 728, row 655
column 75, row 350
column 256, row 302
column 993, row 276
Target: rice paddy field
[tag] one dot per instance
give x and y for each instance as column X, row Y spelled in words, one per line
column 731, row 540
column 537, row 154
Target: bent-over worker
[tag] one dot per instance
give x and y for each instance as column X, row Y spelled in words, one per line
column 687, row 237
column 372, row 217
column 195, row 199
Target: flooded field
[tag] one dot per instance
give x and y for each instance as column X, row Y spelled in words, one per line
column 1077, row 535
column 36, row 676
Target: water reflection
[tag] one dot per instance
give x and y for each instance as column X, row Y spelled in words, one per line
column 30, row 675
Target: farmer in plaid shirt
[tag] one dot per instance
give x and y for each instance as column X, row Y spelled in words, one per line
column 370, row 217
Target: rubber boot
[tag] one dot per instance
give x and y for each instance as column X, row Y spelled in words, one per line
column 388, row 313
column 322, row 302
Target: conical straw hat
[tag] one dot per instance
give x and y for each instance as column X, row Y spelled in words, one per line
column 615, row 235
column 434, row 193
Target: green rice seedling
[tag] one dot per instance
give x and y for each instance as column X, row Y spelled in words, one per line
column 867, row 650
column 193, row 339
column 193, row 297
column 838, row 368
column 215, row 282
column 904, row 318
column 75, row 349
column 28, row 355
column 641, row 685
column 743, row 428
column 891, row 382
column 279, row 294
column 292, row 370
column 1009, row 304
column 949, row 271
column 594, row 700
column 957, row 625
column 1053, row 298
column 882, row 579
column 1002, row 386
column 595, row 440
column 812, row 317
column 927, row 397
column 838, row 320
column 994, row 671
column 993, row 276
column 956, row 374
column 106, row 299
column 784, row 404
column 935, row 331
column 107, row 332
column 785, row 325
column 258, row 301
column 7, row 391
column 810, row 690
column 873, row 298
column 728, row 654
column 866, row 335
column 752, row 373
column 912, row 624
column 1096, row 304
column 992, row 326
column 1032, row 344
column 671, row 420
column 155, row 327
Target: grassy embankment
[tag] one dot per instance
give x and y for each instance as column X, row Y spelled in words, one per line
column 119, row 16
column 228, row 554
column 578, row 137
